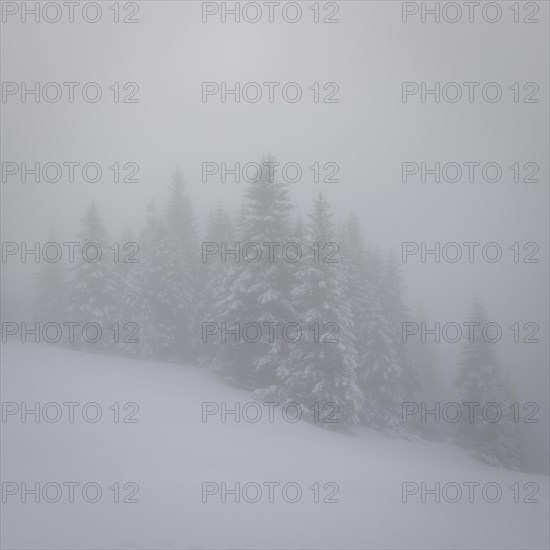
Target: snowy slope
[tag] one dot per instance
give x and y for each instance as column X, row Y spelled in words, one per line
column 170, row 452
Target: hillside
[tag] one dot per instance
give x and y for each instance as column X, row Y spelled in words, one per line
column 170, row 452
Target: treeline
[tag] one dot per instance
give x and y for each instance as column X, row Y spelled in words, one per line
column 346, row 297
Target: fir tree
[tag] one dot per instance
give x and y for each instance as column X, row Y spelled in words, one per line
column 180, row 274
column 355, row 256
column 93, row 290
column 128, row 257
column 257, row 291
column 129, row 254
column 145, row 299
column 480, row 380
column 380, row 366
column 219, row 230
column 424, row 360
column 387, row 373
column 321, row 370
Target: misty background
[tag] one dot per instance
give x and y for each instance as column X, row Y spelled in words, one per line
column 369, row 133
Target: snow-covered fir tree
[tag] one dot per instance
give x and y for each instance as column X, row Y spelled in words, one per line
column 320, row 374
column 127, row 250
column 181, row 274
column 127, row 253
column 219, row 230
column 480, row 379
column 412, row 384
column 424, row 359
column 145, row 299
column 257, row 291
column 355, row 263
column 92, row 282
column 386, row 373
column 162, row 290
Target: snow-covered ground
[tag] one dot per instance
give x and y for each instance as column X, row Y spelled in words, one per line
column 170, row 452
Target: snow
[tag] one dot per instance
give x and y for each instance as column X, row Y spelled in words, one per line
column 170, row 452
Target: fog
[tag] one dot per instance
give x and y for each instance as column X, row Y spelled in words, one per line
column 369, row 133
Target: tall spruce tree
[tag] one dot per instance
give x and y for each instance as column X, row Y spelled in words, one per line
column 387, row 374
column 424, row 360
column 92, row 282
column 480, row 380
column 412, row 384
column 219, row 230
column 257, row 291
column 180, row 275
column 128, row 257
column 128, row 253
column 355, row 262
column 145, row 298
column 320, row 374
